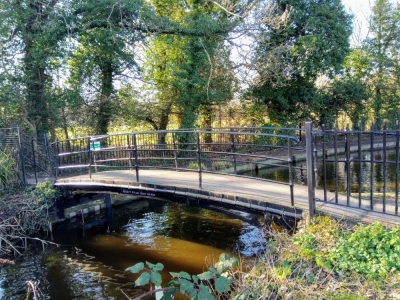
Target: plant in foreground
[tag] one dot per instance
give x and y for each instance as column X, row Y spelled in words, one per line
column 216, row 282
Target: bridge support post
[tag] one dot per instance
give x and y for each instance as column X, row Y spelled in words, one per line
column 310, row 170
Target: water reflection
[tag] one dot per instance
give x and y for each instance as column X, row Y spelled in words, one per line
column 282, row 174
column 91, row 263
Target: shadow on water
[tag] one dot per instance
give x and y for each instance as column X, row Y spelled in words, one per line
column 90, row 263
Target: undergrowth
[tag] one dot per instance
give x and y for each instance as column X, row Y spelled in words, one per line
column 326, row 260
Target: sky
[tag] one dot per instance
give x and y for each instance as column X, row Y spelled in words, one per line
column 361, row 10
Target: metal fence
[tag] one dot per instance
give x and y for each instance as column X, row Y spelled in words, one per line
column 359, row 167
column 34, row 159
column 229, row 151
column 355, row 168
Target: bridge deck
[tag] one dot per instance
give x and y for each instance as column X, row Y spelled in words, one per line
column 220, row 186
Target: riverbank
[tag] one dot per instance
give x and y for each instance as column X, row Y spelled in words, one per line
column 327, row 260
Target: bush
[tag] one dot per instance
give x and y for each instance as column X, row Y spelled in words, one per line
column 221, row 165
column 193, row 165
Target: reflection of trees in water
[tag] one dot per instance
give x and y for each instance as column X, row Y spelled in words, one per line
column 282, row 174
column 59, row 277
column 187, row 223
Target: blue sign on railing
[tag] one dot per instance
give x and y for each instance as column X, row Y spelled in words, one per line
column 94, row 146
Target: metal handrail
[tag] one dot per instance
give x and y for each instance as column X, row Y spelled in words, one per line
column 143, row 150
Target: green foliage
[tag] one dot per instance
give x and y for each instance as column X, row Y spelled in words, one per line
column 312, row 38
column 210, row 284
column 7, row 169
column 371, row 250
column 193, row 165
column 38, row 200
column 221, row 165
column 44, row 194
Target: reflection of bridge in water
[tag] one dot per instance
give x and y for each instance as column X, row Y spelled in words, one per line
column 207, row 166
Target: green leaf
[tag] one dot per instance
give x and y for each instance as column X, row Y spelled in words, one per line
column 150, row 265
column 174, row 274
column 158, row 267
column 143, row 279
column 206, row 275
column 185, row 275
column 186, row 286
column 172, row 283
column 204, row 293
column 136, row 268
column 224, row 256
column 155, row 278
column 168, row 294
column 195, row 279
column 222, row 285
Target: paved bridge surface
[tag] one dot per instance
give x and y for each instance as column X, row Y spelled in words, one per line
column 246, row 192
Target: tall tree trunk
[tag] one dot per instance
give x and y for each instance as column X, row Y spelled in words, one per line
column 104, row 112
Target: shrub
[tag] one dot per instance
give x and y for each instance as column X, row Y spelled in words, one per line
column 221, row 165
column 193, row 165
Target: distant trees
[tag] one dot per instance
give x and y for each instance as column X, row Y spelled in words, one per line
column 300, row 41
column 381, row 52
column 77, row 67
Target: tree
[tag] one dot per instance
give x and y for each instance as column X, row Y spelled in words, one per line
column 300, row 41
column 30, row 33
column 104, row 35
column 382, row 49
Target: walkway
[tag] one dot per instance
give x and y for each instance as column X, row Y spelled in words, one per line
column 252, row 193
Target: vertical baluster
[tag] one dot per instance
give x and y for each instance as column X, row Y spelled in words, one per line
column 324, row 159
column 384, row 167
column 336, row 161
column 233, row 150
column 199, row 158
column 136, row 156
column 310, row 170
column 371, row 185
column 175, row 151
column 397, row 169
column 291, row 178
column 89, row 151
column 359, row 163
column 129, row 151
column 348, row 178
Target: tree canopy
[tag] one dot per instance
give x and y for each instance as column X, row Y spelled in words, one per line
column 71, row 67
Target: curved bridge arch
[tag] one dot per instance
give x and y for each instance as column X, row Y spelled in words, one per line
column 157, row 162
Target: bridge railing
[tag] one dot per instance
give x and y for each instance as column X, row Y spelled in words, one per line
column 228, row 151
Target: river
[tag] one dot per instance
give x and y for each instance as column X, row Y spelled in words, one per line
column 90, row 262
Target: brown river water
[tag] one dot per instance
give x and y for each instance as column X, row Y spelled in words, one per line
column 91, row 260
